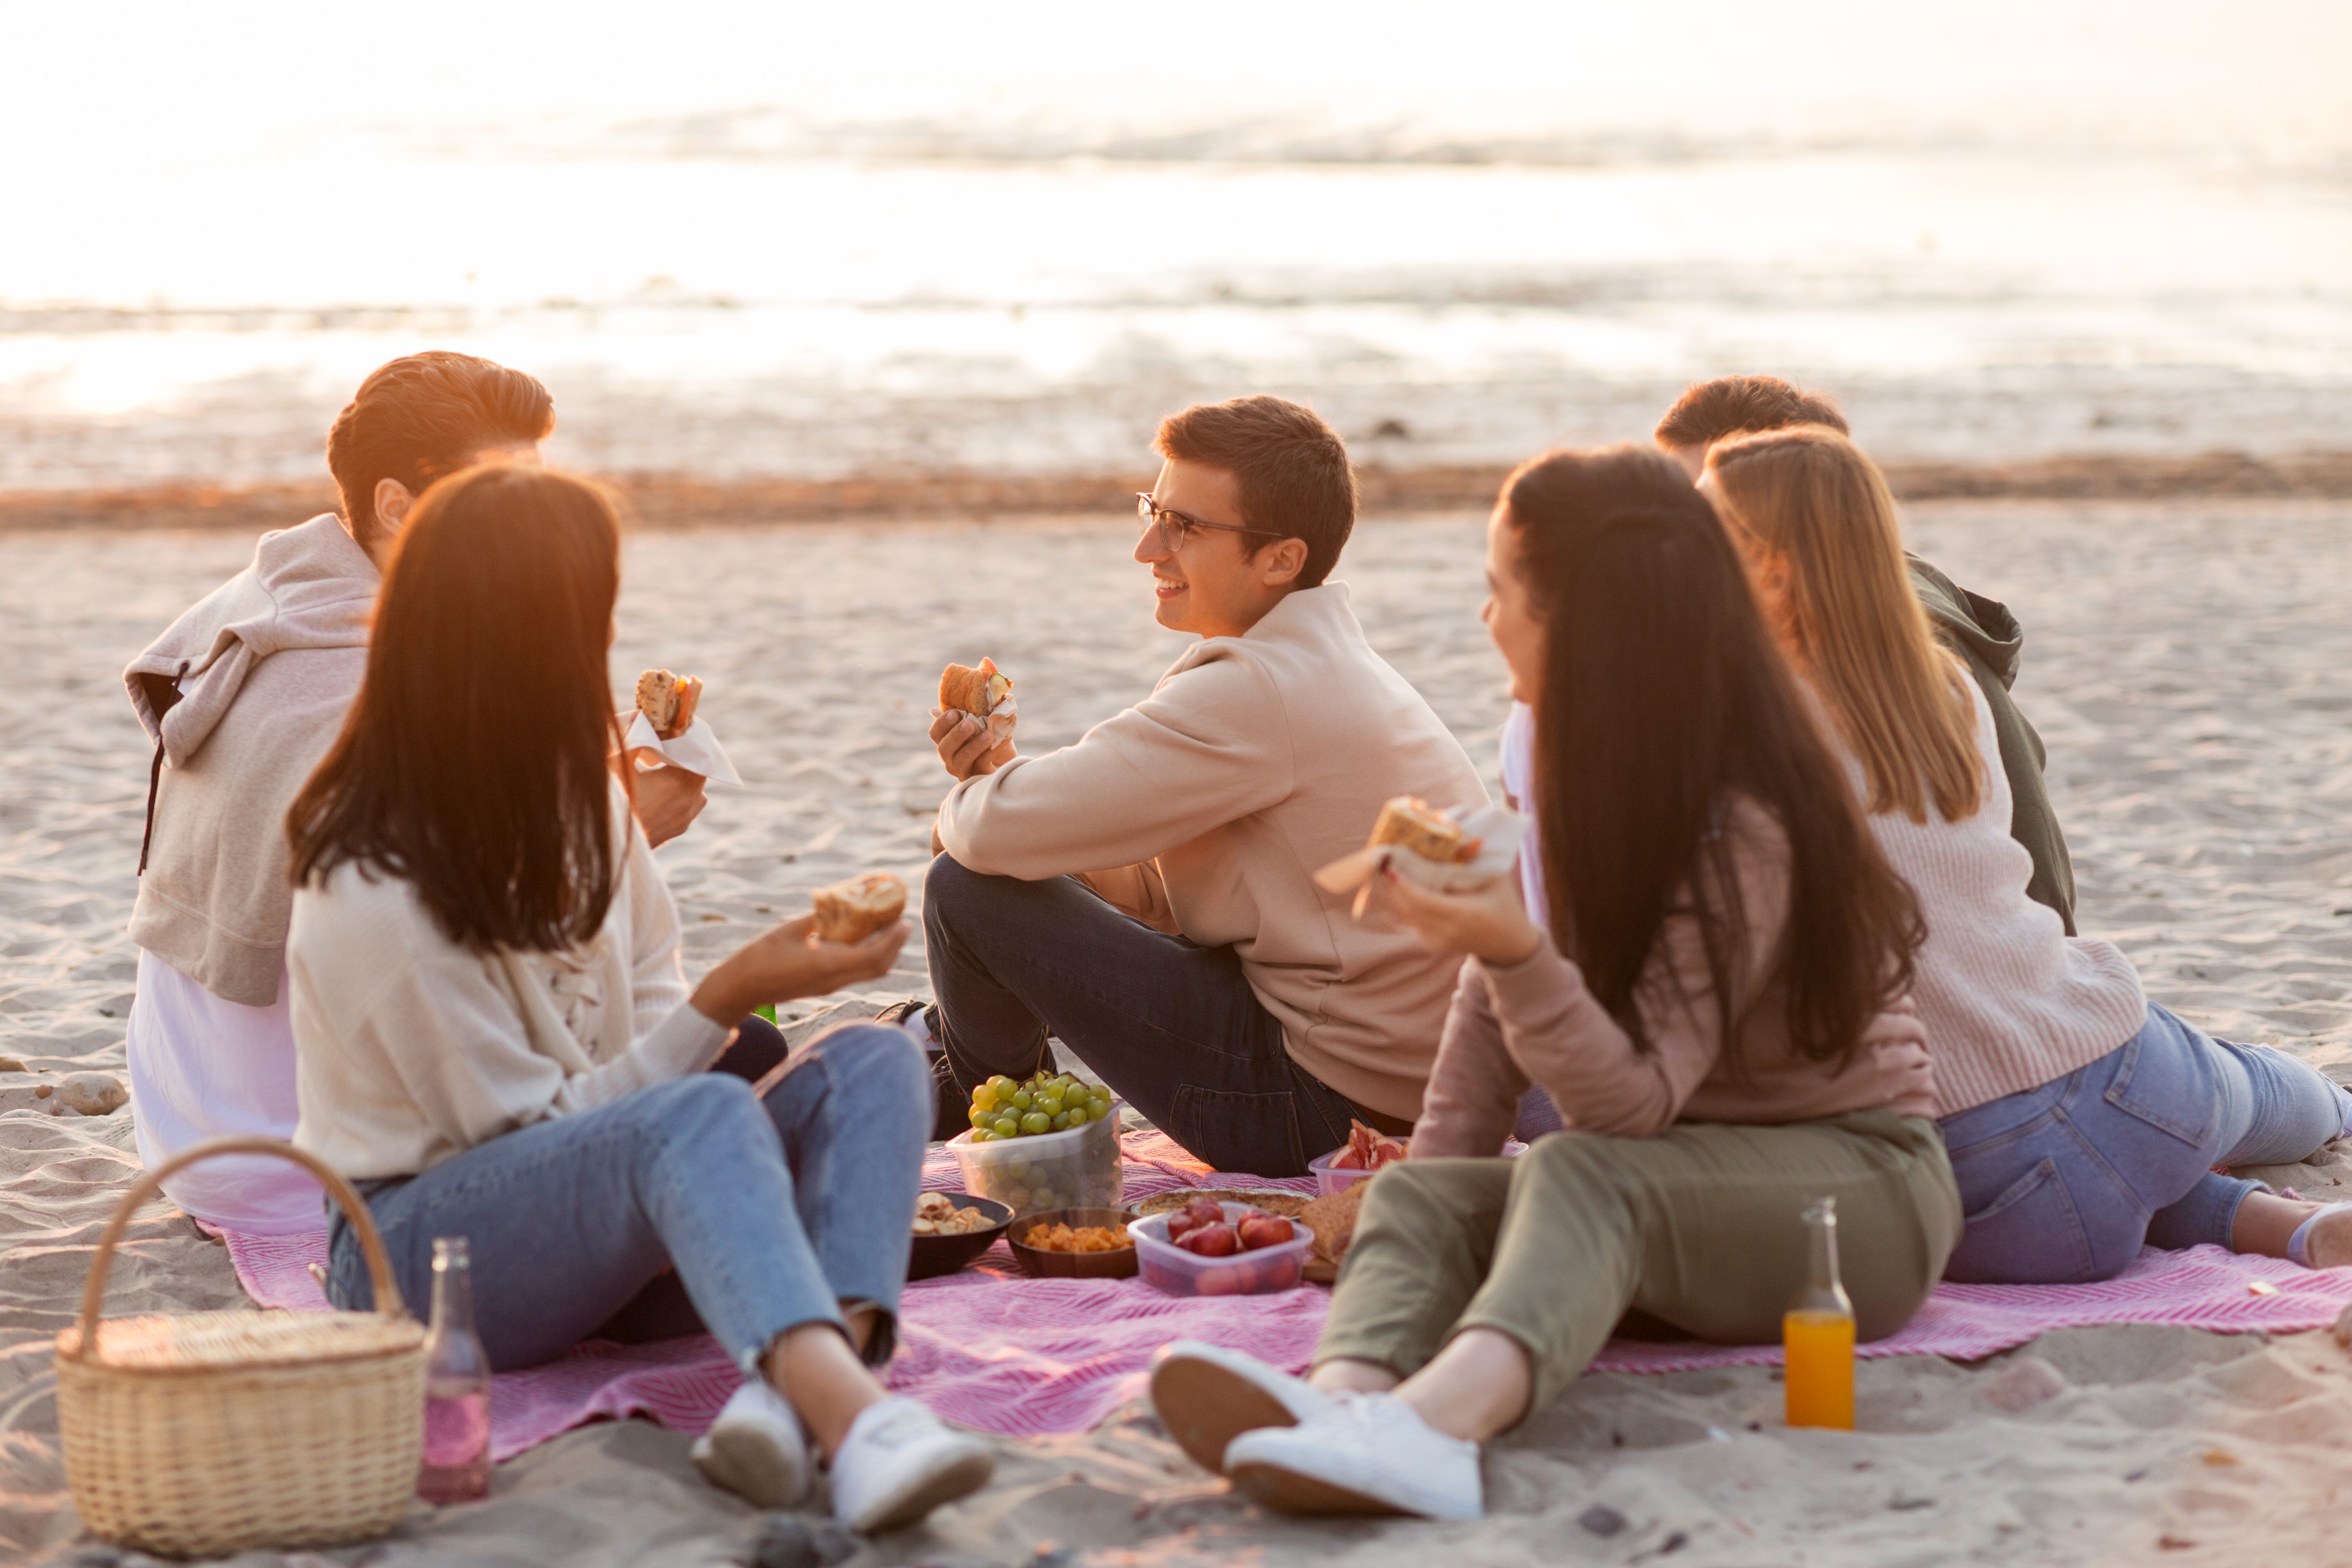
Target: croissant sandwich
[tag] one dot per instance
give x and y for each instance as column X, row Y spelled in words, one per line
column 668, row 701
column 853, row 910
column 1415, row 824
column 963, row 689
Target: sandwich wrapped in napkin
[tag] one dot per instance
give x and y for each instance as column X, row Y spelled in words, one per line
column 851, row 912
column 1450, row 851
column 985, row 693
column 665, row 723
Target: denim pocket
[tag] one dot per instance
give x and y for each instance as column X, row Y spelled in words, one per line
column 2163, row 1079
column 1254, row 1133
column 2031, row 1233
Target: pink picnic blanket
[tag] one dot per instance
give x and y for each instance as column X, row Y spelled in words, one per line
column 993, row 1349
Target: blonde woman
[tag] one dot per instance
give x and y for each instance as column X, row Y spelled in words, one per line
column 2083, row 1121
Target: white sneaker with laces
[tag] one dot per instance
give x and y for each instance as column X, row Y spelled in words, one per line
column 756, row 1449
column 899, row 1462
column 1207, row 1396
column 1366, row 1453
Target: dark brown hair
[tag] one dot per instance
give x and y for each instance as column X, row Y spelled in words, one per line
column 1291, row 468
column 1662, row 701
column 1707, row 411
column 474, row 762
column 425, row 415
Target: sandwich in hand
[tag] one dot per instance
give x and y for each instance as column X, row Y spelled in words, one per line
column 1415, row 824
column 668, row 701
column 985, row 693
column 851, row 912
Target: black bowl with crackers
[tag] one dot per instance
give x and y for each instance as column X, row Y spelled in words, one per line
column 1072, row 1228
column 959, row 1229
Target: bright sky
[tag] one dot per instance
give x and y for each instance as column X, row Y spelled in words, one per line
column 96, row 84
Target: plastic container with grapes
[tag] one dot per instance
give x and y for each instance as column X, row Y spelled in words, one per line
column 1077, row 1169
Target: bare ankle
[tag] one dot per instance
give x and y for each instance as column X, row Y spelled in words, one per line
column 1344, row 1376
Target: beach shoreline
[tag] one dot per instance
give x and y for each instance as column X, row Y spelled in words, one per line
column 685, row 500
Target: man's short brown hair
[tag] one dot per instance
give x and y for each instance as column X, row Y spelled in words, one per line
column 1707, row 411
column 423, row 416
column 1290, row 468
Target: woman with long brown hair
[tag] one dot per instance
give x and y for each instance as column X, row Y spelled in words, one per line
column 1717, row 1006
column 495, row 1037
column 2082, row 1119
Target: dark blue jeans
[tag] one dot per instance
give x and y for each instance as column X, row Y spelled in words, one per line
column 1173, row 1027
column 773, row 1210
column 2063, row 1183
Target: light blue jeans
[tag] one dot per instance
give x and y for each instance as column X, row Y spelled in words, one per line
column 772, row 1211
column 2063, row 1183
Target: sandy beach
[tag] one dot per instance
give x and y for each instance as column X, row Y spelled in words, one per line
column 2185, row 664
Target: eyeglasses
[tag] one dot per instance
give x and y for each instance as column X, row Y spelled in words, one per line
column 1175, row 526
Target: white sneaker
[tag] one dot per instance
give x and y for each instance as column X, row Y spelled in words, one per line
column 756, row 1449
column 899, row 1462
column 1207, row 1396
column 1367, row 1453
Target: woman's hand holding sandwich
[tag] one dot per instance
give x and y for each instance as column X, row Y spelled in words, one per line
column 966, row 746
column 783, row 964
column 1487, row 921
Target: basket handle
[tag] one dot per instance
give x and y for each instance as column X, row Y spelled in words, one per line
column 347, row 1198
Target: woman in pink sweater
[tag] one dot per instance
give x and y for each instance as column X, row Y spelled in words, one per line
column 1718, row 1005
column 2082, row 1119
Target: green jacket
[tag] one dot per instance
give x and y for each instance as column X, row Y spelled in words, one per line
column 1990, row 642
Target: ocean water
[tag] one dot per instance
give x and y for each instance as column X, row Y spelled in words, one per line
column 836, row 252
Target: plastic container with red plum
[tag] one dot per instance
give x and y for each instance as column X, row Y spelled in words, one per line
column 1249, row 1271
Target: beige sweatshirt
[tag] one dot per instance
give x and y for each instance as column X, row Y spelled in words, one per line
column 1534, row 1022
column 244, row 694
column 1205, row 808
column 409, row 1048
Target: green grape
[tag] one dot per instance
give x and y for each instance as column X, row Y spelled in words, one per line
column 1036, row 1122
column 1024, row 1101
column 1052, row 1104
column 1002, row 1084
column 981, row 1118
column 1006, row 1127
column 984, row 1098
column 1062, row 1120
column 983, row 1135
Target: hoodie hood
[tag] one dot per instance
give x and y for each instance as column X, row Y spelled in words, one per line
column 308, row 587
column 1983, row 626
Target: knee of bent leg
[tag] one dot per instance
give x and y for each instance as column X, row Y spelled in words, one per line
column 878, row 1064
column 707, row 1109
column 1580, row 1169
column 946, row 887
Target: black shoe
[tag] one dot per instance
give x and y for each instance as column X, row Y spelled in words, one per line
column 952, row 1107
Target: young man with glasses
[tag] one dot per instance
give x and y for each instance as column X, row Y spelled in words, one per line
column 1145, row 896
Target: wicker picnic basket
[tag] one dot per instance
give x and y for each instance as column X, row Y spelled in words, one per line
column 211, row 1433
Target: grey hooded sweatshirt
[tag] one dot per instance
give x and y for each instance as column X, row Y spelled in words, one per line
column 243, row 696
column 1988, row 639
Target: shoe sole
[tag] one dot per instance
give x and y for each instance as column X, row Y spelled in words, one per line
column 747, row 1464
column 965, row 1476
column 1203, row 1406
column 1288, row 1491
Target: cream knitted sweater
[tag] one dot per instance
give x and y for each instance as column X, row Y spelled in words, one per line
column 409, row 1048
column 2011, row 1001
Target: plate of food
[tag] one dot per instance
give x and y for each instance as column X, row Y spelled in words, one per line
column 1074, row 1244
column 950, row 1230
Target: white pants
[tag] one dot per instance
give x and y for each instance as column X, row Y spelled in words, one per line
column 204, row 1068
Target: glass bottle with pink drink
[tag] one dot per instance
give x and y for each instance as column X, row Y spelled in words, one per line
column 456, row 1466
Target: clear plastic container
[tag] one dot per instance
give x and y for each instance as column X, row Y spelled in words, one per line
column 1328, row 1180
column 1181, row 1273
column 1078, row 1168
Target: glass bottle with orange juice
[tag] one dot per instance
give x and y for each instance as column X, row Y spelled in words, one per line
column 1817, row 1334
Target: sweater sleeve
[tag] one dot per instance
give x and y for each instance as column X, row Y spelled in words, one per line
column 1210, row 746
column 657, row 986
column 1472, row 1101
column 1562, row 1037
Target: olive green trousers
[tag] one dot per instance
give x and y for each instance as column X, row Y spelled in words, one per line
column 1700, row 1227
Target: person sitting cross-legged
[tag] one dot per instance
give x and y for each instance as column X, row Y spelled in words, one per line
column 1145, row 895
